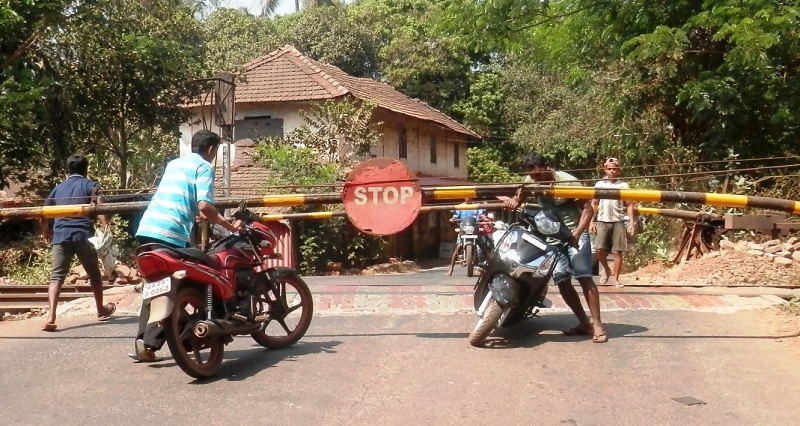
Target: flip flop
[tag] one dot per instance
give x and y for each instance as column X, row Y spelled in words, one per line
column 577, row 331
column 111, row 308
column 50, row 326
column 603, row 280
column 136, row 359
column 600, row 338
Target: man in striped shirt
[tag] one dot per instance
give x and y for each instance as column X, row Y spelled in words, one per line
column 186, row 191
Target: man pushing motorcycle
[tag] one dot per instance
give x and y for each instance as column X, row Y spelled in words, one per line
column 577, row 215
column 185, row 192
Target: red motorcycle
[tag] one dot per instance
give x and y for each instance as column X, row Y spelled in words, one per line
column 203, row 299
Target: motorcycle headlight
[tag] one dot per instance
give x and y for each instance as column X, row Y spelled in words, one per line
column 469, row 229
column 545, row 225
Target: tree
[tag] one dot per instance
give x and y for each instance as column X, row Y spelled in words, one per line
column 333, row 35
column 320, row 152
column 27, row 87
column 127, row 67
column 234, row 37
column 415, row 58
column 268, row 7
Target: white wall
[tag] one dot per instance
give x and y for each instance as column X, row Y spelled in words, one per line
column 417, row 135
column 287, row 111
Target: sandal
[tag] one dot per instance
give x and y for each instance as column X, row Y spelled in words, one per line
column 578, row 331
column 600, row 338
column 50, row 326
column 110, row 309
column 603, row 280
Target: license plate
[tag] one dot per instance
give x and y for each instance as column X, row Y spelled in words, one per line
column 533, row 240
column 469, row 237
column 156, row 288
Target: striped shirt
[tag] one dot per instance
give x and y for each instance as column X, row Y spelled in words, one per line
column 170, row 215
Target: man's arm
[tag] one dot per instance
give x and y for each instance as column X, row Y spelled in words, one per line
column 517, row 199
column 97, row 199
column 587, row 216
column 204, row 186
column 593, row 223
column 631, row 218
column 44, row 222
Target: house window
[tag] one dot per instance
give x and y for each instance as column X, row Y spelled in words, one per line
column 433, row 149
column 456, row 156
column 403, row 143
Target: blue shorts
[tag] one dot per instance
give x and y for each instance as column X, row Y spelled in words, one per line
column 577, row 264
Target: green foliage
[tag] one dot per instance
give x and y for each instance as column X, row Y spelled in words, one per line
column 337, row 241
column 484, row 165
column 482, row 108
column 336, row 132
column 414, row 57
column 333, row 35
column 793, row 307
column 334, row 135
column 27, row 86
column 234, row 37
column 567, row 122
column 27, row 260
column 293, row 165
column 129, row 66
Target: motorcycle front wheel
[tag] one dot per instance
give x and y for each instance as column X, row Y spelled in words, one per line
column 469, row 254
column 290, row 307
column 199, row 358
column 486, row 325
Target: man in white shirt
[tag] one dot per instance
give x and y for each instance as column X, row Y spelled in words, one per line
column 609, row 224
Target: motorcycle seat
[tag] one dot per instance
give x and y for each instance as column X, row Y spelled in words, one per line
column 193, row 255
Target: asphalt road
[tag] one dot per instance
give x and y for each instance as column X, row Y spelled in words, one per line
column 419, row 369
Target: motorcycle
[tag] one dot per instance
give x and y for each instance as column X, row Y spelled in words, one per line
column 514, row 284
column 204, row 298
column 473, row 244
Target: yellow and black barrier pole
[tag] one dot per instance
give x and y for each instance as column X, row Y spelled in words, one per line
column 676, row 214
column 342, row 213
column 650, row 211
column 640, row 195
column 476, row 192
column 288, row 200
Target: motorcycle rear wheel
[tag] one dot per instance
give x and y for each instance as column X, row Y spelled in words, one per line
column 185, row 347
column 486, row 325
column 300, row 299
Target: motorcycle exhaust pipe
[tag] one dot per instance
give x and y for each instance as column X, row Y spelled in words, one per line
column 213, row 328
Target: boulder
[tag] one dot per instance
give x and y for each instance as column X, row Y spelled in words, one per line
column 726, row 245
column 771, row 243
column 773, row 249
column 782, row 261
column 755, row 252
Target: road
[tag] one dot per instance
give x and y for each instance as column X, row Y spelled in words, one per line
column 417, row 368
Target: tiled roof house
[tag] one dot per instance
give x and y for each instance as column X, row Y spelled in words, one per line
column 279, row 84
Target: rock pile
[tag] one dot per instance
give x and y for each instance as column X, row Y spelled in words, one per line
column 743, row 263
column 784, row 254
column 121, row 275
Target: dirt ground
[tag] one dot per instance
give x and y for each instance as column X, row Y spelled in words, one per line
column 727, row 269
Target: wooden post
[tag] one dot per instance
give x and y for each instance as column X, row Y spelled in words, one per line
column 684, row 242
column 692, row 242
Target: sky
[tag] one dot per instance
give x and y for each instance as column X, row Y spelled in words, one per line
column 254, row 6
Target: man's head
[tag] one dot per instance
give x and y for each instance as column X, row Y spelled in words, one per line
column 205, row 143
column 538, row 168
column 78, row 165
column 611, row 168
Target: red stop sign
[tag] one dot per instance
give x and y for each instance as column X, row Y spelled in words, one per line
column 381, row 196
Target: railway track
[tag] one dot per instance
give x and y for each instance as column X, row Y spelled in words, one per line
column 21, row 298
